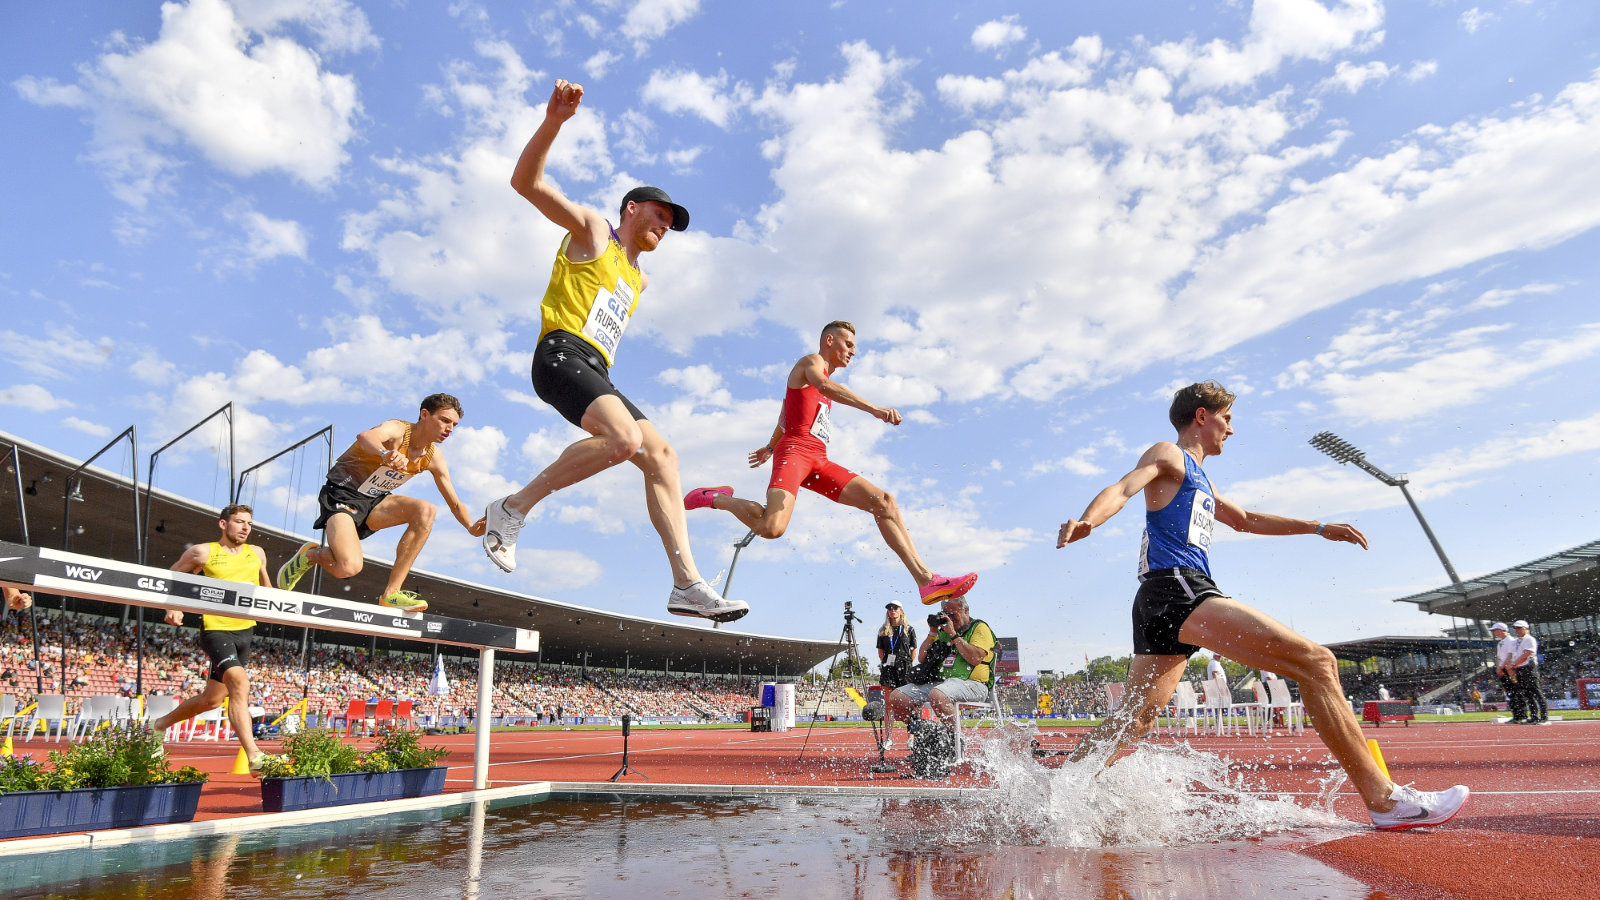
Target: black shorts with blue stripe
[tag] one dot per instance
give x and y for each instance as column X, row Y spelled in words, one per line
column 1166, row 599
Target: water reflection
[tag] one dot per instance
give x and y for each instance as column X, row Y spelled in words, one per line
column 788, row 846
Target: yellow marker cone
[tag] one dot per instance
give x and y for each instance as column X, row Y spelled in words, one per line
column 1377, row 756
column 6, row 749
column 241, row 763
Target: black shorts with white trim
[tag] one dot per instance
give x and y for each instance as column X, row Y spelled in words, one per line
column 1166, row 599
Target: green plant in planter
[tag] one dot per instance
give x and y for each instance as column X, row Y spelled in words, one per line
column 316, row 753
column 405, row 750
column 112, row 758
column 320, row 754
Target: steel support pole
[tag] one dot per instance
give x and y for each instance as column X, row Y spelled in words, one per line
column 480, row 742
column 1451, row 570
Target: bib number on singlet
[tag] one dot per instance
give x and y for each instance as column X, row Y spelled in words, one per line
column 608, row 316
column 383, row 481
column 1202, row 515
column 822, row 425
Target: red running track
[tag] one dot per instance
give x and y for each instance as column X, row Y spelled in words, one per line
column 1534, row 815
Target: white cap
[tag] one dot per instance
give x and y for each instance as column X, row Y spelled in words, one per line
column 1499, row 626
column 1520, row 623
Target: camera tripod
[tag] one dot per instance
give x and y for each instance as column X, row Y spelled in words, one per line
column 856, row 669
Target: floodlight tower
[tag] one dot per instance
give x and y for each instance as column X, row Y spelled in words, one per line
column 1342, row 451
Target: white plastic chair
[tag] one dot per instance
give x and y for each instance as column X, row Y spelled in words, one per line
column 121, row 710
column 990, row 708
column 156, row 707
column 8, row 712
column 96, row 711
column 1293, row 711
column 1214, row 706
column 1186, row 709
column 211, row 722
column 1262, row 708
column 48, row 708
column 1230, row 707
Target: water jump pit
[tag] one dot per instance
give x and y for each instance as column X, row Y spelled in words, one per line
column 736, row 814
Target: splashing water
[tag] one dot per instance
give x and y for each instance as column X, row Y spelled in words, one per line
column 1157, row 796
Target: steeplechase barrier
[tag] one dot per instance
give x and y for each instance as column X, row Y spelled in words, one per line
column 92, row 578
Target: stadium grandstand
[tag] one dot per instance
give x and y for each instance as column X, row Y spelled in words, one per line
column 1559, row 596
column 591, row 663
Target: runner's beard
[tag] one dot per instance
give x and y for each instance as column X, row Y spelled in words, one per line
column 648, row 240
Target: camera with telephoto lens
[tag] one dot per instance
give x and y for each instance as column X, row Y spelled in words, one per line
column 936, row 620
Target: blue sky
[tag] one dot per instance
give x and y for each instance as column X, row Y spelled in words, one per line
column 1373, row 218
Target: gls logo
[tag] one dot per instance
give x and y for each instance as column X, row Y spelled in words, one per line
column 153, row 584
column 84, row 574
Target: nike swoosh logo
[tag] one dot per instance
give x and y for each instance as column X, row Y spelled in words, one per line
column 319, row 610
column 1421, row 814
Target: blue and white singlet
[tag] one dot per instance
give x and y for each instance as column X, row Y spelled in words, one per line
column 1179, row 534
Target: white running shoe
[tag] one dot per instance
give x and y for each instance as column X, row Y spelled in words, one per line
column 1417, row 809
column 500, row 535
column 702, row 600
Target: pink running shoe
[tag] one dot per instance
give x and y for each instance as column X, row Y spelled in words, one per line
column 943, row 588
column 699, row 498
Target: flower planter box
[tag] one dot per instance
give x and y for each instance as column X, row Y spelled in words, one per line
column 24, row 813
column 285, row 794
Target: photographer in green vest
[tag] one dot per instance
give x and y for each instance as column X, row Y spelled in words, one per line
column 956, row 665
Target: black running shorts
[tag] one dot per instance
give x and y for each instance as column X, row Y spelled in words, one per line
column 569, row 375
column 1166, row 599
column 226, row 649
column 336, row 498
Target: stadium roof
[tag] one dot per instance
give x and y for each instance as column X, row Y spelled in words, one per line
column 1392, row 646
column 1555, row 588
column 102, row 525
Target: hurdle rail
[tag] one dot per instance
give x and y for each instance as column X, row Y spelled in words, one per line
column 93, row 578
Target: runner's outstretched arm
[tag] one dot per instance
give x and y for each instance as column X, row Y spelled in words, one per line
column 447, row 490
column 816, row 375
column 529, row 181
column 1240, row 519
column 1157, row 461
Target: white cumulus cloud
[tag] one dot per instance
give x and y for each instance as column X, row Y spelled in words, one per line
column 233, row 88
column 997, row 33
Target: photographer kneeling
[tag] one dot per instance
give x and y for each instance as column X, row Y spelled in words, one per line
column 955, row 665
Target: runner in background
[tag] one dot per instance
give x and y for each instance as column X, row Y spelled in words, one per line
column 358, row 500
column 799, row 453
column 225, row 640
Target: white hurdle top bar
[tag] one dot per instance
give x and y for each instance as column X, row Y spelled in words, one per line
column 93, row 578
column 75, row 575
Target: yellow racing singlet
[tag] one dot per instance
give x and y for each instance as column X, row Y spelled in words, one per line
column 593, row 299
column 243, row 566
column 367, row 474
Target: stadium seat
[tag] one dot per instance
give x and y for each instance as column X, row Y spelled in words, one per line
column 403, row 713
